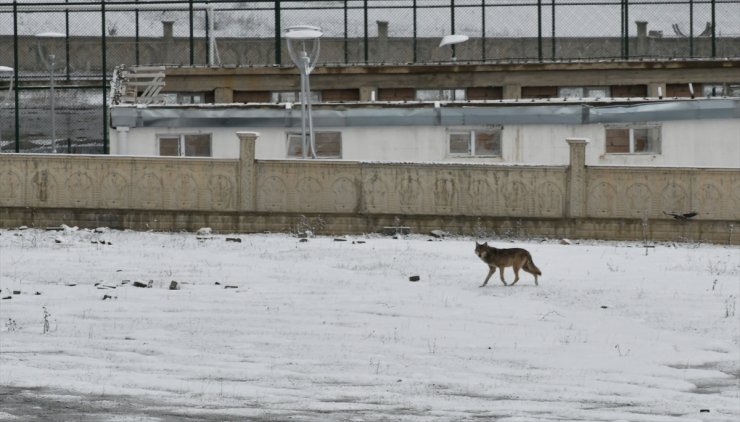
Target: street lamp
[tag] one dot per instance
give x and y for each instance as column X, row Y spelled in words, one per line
column 5, row 69
column 51, row 86
column 303, row 47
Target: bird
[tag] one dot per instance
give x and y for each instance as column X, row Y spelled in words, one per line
column 682, row 217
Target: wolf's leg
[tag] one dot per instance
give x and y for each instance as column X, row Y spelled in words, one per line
column 490, row 273
column 516, row 274
column 501, row 273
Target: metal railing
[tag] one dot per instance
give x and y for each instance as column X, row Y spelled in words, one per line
column 96, row 36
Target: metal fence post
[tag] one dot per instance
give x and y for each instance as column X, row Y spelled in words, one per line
column 626, row 29
column 278, row 50
column 366, row 36
column 483, row 31
column 136, row 34
column 452, row 24
column 539, row 30
column 66, row 40
column 691, row 28
column 104, row 79
column 207, row 39
column 346, row 32
column 192, row 33
column 414, row 35
column 714, row 30
column 552, row 43
column 16, row 65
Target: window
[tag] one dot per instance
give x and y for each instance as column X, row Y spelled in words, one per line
column 485, row 93
column 626, row 91
column 539, row 92
column 328, row 145
column 190, row 98
column 635, row 139
column 475, row 142
column 187, row 97
column 395, row 94
column 187, row 145
column 340, row 95
column 583, row 92
column 713, row 90
column 252, row 96
column 293, row 97
column 440, row 94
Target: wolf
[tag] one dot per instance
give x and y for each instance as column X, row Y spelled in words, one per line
column 517, row 258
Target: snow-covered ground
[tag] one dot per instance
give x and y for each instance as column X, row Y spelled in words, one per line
column 273, row 328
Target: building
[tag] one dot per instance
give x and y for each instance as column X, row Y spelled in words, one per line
column 668, row 113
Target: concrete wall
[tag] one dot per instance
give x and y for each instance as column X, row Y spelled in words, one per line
column 245, row 194
column 86, row 51
column 697, row 143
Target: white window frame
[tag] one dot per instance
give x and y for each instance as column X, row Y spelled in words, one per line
column 713, row 90
column 657, row 142
column 583, row 91
column 184, row 97
column 471, row 132
column 181, row 144
column 453, row 94
column 293, row 96
column 298, row 137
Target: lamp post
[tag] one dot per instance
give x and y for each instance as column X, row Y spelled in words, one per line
column 5, row 69
column 303, row 47
column 51, row 86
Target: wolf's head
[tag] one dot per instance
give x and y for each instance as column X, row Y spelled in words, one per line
column 481, row 249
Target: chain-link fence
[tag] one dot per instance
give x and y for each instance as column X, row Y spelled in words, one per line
column 78, row 43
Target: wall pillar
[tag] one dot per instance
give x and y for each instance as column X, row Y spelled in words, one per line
column 382, row 41
column 576, row 179
column 247, row 182
column 512, row 92
column 642, row 38
column 168, row 40
column 656, row 90
column 368, row 93
column 223, row 95
column 122, row 144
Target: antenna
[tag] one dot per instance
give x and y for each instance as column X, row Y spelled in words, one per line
column 303, row 47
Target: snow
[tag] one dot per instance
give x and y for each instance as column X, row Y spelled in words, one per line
column 333, row 330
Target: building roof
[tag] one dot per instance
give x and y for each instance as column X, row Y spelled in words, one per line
column 465, row 113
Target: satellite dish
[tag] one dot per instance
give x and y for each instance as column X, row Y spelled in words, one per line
column 453, row 39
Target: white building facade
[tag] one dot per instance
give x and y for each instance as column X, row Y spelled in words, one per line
column 655, row 133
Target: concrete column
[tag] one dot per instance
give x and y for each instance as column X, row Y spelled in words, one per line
column 512, row 92
column 576, row 179
column 368, row 93
column 656, row 90
column 382, row 41
column 167, row 29
column 642, row 40
column 247, row 200
column 122, row 144
column 168, row 41
column 223, row 95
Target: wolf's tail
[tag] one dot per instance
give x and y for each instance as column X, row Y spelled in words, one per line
column 531, row 267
